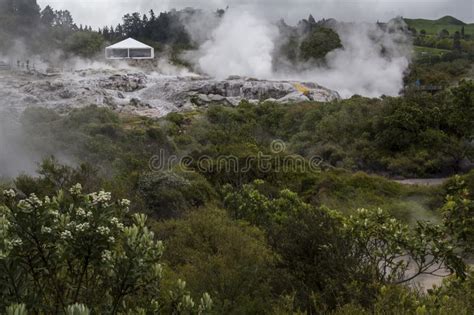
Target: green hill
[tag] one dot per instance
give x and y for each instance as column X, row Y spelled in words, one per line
column 435, row 26
column 449, row 20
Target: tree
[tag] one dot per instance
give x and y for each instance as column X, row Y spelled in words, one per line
column 458, row 216
column 84, row 43
column 72, row 248
column 461, row 119
column 119, row 32
column 329, row 259
column 63, row 19
column 19, row 17
column 423, row 33
column 48, row 16
column 443, row 33
column 133, row 25
column 106, row 33
column 152, row 16
column 169, row 194
column 318, row 43
column 457, row 41
column 391, row 248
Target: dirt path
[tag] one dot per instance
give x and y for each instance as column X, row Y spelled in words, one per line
column 423, row 181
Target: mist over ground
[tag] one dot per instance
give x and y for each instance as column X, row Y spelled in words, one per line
column 14, row 157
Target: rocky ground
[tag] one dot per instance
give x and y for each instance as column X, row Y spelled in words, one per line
column 150, row 94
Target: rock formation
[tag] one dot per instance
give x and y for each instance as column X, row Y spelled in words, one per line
column 146, row 94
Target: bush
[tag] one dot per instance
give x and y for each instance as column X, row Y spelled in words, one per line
column 229, row 259
column 64, row 250
column 168, row 194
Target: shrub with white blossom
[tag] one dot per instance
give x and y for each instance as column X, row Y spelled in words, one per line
column 81, row 254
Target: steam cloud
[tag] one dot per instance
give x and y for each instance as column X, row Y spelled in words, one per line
column 242, row 44
column 14, row 157
column 372, row 62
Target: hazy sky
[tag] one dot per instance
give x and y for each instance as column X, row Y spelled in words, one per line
column 101, row 12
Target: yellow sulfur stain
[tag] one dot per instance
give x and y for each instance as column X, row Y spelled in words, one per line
column 302, row 89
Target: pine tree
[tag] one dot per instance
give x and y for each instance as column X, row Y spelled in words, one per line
column 48, row 16
column 457, row 41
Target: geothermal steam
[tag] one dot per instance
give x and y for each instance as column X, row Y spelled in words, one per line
column 14, row 157
column 242, row 44
column 372, row 62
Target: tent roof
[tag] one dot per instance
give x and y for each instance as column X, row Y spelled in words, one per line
column 129, row 43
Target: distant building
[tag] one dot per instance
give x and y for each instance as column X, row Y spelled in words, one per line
column 4, row 66
column 129, row 49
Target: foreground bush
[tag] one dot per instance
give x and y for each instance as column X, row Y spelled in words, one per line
column 63, row 250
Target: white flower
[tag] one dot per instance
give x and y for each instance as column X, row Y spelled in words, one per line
column 25, row 206
column 71, row 225
column 46, row 230
column 111, row 239
column 29, row 204
column 81, row 212
column 100, row 198
column 114, row 221
column 103, row 230
column 106, row 255
column 76, row 190
column 16, row 242
column 125, row 203
column 82, row 227
column 66, row 235
column 54, row 213
column 9, row 193
column 35, row 201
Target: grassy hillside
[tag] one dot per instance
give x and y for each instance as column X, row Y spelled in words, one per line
column 434, row 26
column 424, row 51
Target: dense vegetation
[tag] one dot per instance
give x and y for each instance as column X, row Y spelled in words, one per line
column 250, row 239
column 417, row 135
column 434, row 27
column 446, row 36
column 25, row 29
column 143, row 216
column 309, row 41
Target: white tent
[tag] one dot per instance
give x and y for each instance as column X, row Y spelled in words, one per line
column 129, row 49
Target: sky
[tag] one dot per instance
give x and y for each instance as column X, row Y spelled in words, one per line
column 109, row 12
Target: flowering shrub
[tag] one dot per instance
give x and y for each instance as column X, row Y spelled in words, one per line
column 56, row 254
